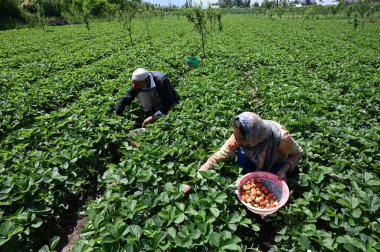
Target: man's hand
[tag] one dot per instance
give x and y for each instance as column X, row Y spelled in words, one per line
column 283, row 171
column 149, row 120
column 117, row 111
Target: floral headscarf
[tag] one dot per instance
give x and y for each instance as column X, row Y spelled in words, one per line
column 263, row 138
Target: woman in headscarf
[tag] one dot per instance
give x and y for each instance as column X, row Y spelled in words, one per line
column 260, row 145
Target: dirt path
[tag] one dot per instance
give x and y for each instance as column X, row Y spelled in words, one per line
column 75, row 235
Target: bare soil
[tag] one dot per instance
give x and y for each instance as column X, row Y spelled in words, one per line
column 75, row 235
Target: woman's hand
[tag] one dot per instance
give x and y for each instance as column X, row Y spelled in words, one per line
column 205, row 167
column 187, row 189
column 283, row 171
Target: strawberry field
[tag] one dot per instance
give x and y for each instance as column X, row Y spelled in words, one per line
column 65, row 155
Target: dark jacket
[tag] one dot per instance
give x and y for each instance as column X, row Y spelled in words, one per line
column 167, row 93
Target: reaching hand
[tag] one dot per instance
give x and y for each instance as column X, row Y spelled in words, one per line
column 149, row 120
column 187, row 189
column 205, row 167
column 283, row 171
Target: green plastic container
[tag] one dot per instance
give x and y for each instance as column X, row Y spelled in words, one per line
column 193, row 62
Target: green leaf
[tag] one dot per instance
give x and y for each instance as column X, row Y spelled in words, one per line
column 232, row 227
column 195, row 234
column 108, row 239
column 54, row 241
column 6, row 228
column 232, row 247
column 37, row 223
column 182, row 238
column 180, row 206
column 6, row 190
column 180, row 218
column 191, row 211
column 4, row 196
column 328, row 243
column 158, row 237
column 234, row 218
column 201, row 216
column 375, row 203
column 3, row 241
column 357, row 213
column 210, row 219
column 309, row 230
column 45, row 248
column 346, row 239
column 354, row 202
column 304, row 178
column 214, row 239
column 304, row 241
column 231, row 244
column 135, row 230
column 255, row 227
column 376, row 226
column 9, row 228
column 344, row 203
column 245, row 222
column 367, row 176
column 157, row 221
column 215, row 211
column 373, row 183
column 221, row 197
column 172, row 232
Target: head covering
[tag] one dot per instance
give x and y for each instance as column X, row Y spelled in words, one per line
column 256, row 130
column 140, row 74
column 263, row 138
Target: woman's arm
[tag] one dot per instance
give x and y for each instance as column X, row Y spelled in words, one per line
column 290, row 151
column 227, row 150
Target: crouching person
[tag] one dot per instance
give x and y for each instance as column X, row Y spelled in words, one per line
column 156, row 95
column 260, row 145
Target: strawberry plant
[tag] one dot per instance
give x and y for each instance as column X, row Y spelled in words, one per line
column 64, row 154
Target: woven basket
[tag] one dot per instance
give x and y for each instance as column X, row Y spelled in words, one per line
column 277, row 186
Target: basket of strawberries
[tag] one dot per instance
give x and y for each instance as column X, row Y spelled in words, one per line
column 262, row 192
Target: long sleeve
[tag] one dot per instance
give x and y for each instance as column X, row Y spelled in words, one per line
column 126, row 100
column 167, row 93
column 290, row 149
column 226, row 151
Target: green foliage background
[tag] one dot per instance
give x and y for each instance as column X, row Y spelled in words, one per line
column 61, row 143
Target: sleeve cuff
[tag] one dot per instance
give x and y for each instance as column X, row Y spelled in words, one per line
column 158, row 114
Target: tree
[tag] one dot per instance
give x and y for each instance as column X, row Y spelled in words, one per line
column 127, row 13
column 198, row 18
column 267, row 4
column 188, row 4
column 225, row 3
column 146, row 15
column 363, row 7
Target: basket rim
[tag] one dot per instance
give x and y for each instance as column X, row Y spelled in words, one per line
column 193, row 60
column 269, row 176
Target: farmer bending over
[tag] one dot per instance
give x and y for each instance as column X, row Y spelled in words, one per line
column 260, row 145
column 155, row 93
